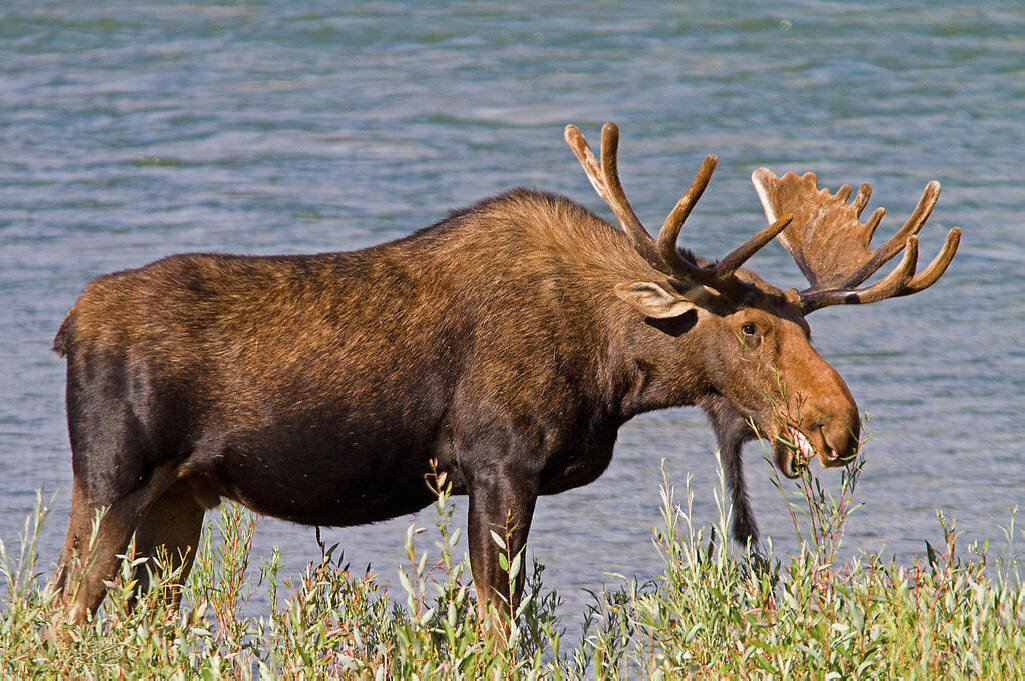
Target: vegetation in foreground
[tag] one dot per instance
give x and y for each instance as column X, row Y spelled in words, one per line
column 711, row 613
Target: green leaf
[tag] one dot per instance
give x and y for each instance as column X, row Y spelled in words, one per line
column 405, row 582
column 514, row 569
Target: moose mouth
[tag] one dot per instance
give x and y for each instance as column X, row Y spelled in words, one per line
column 794, row 451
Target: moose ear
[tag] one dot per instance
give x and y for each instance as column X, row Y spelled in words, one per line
column 653, row 300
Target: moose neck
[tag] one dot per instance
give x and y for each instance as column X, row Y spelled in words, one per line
column 641, row 364
column 655, row 363
column 560, row 264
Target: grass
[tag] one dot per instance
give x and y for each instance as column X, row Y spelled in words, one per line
column 713, row 611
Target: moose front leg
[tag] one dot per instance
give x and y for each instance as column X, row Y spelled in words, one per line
column 501, row 501
column 732, row 431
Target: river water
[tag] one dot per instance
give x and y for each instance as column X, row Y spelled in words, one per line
column 129, row 131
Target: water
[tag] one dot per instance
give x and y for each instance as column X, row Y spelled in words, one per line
column 132, row 131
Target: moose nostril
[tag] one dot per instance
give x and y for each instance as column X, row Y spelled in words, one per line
column 829, row 446
column 840, row 445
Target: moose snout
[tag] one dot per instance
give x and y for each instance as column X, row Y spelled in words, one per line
column 825, row 428
column 836, row 438
column 828, row 416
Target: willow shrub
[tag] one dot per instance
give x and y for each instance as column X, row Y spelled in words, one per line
column 714, row 611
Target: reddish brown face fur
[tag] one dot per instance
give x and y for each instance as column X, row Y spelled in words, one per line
column 796, row 400
column 757, row 354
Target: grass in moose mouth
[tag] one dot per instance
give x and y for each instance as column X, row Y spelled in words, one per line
column 712, row 611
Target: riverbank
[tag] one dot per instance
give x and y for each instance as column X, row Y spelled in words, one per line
column 711, row 613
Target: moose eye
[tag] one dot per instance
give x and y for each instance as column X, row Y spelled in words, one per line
column 748, row 329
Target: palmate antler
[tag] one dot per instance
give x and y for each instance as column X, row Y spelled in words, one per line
column 661, row 252
column 831, row 244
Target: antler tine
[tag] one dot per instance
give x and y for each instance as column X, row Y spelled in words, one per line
column 604, row 177
column 937, row 267
column 738, row 256
column 727, row 266
column 642, row 241
column 887, row 287
column 670, row 230
column 662, row 253
column 895, row 243
column 592, row 169
column 901, row 282
column 861, row 199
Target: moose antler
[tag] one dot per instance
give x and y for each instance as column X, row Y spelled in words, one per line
column 831, row 245
column 661, row 252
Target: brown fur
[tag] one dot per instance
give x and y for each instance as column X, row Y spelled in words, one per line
column 320, row 388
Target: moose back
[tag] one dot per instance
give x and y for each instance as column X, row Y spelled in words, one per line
column 504, row 345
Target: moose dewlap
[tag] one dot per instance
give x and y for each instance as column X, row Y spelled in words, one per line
column 504, row 345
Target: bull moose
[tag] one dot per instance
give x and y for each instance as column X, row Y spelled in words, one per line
column 504, row 345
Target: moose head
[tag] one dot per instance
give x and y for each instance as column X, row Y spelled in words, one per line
column 770, row 382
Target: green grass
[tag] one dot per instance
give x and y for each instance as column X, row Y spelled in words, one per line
column 712, row 612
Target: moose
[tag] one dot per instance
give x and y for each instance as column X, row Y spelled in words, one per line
column 503, row 346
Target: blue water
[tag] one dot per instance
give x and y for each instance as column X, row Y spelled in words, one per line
column 129, row 131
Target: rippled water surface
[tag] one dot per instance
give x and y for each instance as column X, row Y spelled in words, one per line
column 132, row 131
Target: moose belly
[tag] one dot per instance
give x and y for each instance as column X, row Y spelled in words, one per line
column 335, row 491
column 326, row 478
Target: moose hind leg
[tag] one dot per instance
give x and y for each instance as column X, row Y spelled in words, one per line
column 168, row 535
column 121, row 450
column 96, row 536
column 76, row 541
